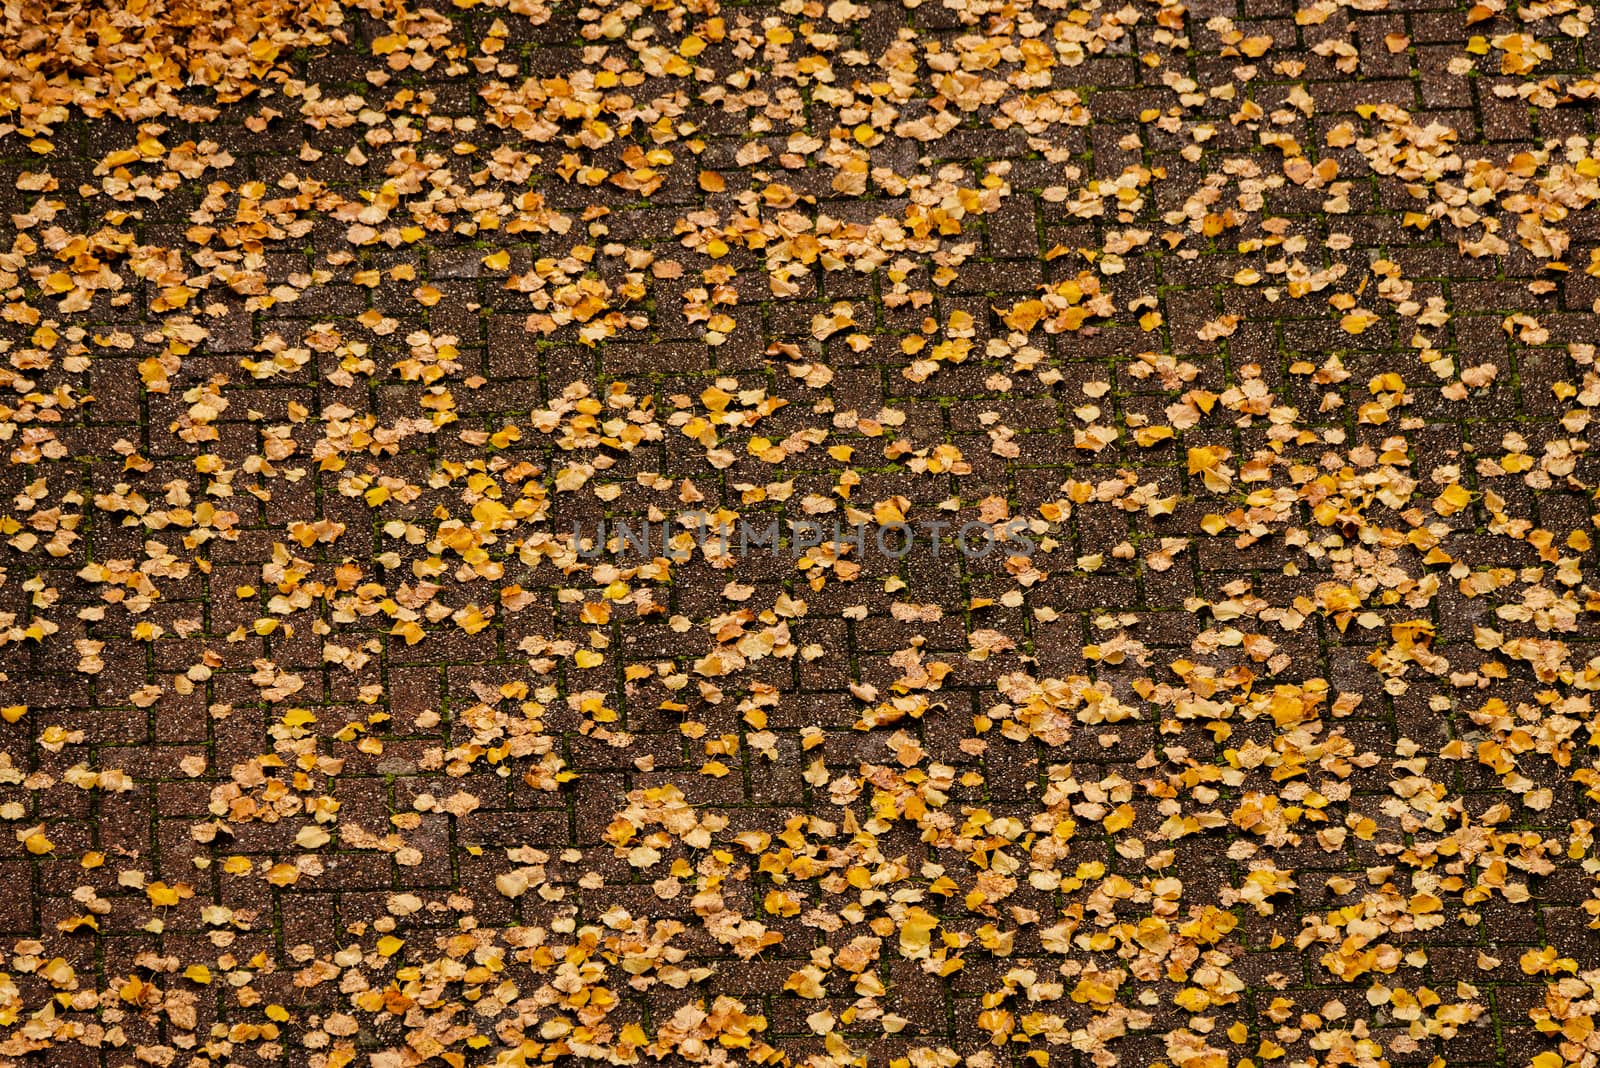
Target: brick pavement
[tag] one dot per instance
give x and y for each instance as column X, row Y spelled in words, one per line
column 322, row 745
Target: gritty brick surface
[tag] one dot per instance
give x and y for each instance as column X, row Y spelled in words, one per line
column 1277, row 750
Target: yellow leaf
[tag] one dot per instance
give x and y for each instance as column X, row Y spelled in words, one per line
column 1149, row 436
column 283, row 874
column 1357, row 322
column 917, row 932
column 779, row 903
column 806, row 982
column 1094, row 992
column 1454, row 498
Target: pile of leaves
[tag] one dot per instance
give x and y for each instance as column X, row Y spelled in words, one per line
column 135, row 60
